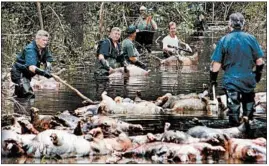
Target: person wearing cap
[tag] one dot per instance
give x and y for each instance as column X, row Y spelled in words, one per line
column 109, row 55
column 28, row 62
column 145, row 21
column 172, row 40
column 237, row 53
column 128, row 48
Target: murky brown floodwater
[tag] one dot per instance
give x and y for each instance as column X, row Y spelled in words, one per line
column 160, row 81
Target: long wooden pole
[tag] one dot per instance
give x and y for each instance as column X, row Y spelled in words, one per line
column 87, row 100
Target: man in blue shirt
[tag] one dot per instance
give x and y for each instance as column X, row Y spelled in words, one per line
column 237, row 53
column 28, row 62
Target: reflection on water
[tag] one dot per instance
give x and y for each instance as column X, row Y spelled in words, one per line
column 105, row 159
column 160, row 81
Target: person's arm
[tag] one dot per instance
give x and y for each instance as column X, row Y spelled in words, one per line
column 48, row 56
column 133, row 58
column 216, row 63
column 104, row 51
column 257, row 55
column 154, row 25
column 104, row 63
column 186, row 45
column 31, row 62
column 259, row 68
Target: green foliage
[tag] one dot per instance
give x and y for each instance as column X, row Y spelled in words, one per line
column 20, row 22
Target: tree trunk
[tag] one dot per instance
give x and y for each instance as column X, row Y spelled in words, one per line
column 40, row 15
column 74, row 16
column 101, row 21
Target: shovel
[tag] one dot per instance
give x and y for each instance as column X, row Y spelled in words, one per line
column 214, row 104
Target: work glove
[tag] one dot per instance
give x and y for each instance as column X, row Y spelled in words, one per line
column 258, row 72
column 213, row 82
column 105, row 64
column 43, row 73
column 141, row 65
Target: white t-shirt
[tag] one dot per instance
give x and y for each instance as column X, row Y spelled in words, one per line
column 168, row 40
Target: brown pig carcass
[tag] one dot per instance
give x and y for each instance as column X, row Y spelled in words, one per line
column 248, row 150
column 171, row 151
column 183, row 104
column 132, row 70
column 101, row 145
column 113, row 127
column 12, row 143
column 44, row 83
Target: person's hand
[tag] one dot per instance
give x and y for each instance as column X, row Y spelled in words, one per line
column 174, row 51
column 111, row 70
column 258, row 73
column 258, row 77
column 147, row 72
column 47, row 74
column 188, row 48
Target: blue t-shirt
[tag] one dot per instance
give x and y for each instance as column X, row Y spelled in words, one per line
column 237, row 52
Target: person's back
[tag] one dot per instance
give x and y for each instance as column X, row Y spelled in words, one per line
column 239, row 60
column 237, row 53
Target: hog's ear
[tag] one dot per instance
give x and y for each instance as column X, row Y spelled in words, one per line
column 165, row 98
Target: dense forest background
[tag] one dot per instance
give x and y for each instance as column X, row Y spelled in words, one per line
column 76, row 26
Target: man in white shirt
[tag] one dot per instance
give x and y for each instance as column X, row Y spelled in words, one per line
column 173, row 41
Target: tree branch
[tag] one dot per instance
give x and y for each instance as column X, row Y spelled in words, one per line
column 57, row 17
column 101, row 20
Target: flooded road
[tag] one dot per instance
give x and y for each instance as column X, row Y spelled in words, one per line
column 160, row 81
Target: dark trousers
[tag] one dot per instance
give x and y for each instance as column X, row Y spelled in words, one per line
column 234, row 100
column 23, row 88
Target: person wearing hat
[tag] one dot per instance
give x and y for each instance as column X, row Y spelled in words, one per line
column 145, row 21
column 28, row 62
column 237, row 53
column 128, row 48
column 146, row 26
